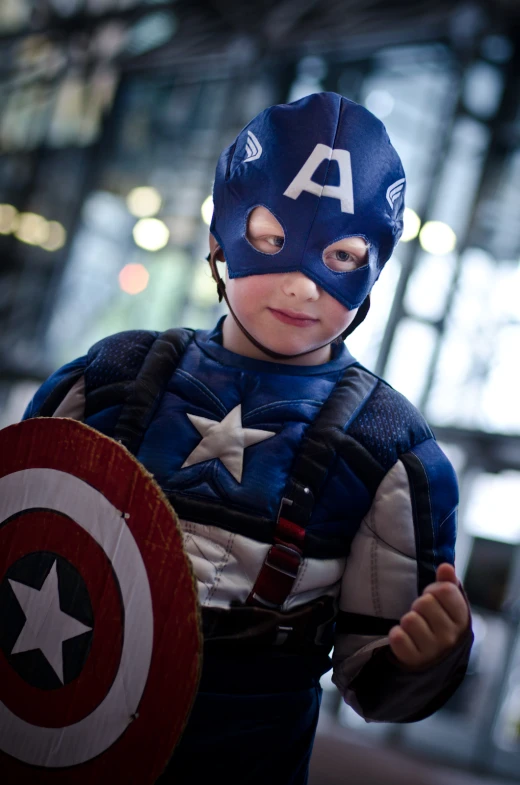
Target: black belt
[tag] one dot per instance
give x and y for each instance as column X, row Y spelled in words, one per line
column 305, row 628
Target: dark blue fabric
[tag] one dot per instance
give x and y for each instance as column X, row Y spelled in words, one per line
column 284, row 399
column 288, row 135
column 262, row 739
column 210, row 381
column 389, row 425
column 105, row 421
column 443, row 499
column 117, row 358
column 332, row 516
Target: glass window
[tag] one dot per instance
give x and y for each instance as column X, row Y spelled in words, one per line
column 492, row 509
column 365, row 340
column 476, row 380
column 429, row 286
column 410, row 358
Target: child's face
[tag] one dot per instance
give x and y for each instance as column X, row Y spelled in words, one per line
column 288, row 312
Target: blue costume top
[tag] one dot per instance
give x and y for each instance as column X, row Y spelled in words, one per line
column 222, row 443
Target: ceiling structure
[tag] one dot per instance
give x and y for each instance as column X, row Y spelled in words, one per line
column 65, row 66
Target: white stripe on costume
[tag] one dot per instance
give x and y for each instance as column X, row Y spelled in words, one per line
column 226, row 566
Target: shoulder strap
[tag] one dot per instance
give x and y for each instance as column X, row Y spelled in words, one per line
column 317, row 452
column 146, row 391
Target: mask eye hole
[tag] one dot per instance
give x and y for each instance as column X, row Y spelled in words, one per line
column 347, row 254
column 264, row 231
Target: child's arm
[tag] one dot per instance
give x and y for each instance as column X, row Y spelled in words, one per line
column 62, row 394
column 403, row 635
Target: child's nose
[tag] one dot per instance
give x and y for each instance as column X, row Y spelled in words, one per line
column 298, row 284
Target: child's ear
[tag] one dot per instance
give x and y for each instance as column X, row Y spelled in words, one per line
column 216, row 254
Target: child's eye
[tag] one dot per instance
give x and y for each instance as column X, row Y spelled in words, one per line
column 341, row 260
column 343, row 256
column 264, row 231
column 276, row 241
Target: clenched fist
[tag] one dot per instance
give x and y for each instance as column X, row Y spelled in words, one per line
column 434, row 624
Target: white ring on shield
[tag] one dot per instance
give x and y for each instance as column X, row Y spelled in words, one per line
column 74, row 744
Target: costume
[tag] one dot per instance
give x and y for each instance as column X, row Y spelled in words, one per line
column 222, row 442
column 314, row 500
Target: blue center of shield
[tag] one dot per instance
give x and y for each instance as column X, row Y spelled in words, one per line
column 46, row 620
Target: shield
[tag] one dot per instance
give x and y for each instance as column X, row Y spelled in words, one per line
column 99, row 622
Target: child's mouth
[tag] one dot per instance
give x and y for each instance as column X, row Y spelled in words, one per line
column 289, row 318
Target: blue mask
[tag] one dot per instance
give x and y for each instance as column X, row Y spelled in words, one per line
column 325, row 167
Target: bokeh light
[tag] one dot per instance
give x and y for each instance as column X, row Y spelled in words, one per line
column 411, row 225
column 133, row 278
column 57, row 237
column 437, row 238
column 32, row 229
column 143, row 202
column 206, row 210
column 8, row 218
column 151, row 234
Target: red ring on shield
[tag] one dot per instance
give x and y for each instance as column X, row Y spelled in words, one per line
column 69, row 448
column 73, row 701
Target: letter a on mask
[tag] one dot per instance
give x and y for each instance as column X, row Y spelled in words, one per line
column 303, row 182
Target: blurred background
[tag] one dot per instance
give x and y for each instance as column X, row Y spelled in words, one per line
column 112, row 116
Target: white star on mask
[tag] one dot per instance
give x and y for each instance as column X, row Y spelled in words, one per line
column 46, row 626
column 225, row 440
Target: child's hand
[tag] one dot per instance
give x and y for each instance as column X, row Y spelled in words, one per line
column 434, row 623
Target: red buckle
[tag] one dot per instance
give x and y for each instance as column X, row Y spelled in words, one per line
column 280, row 568
column 284, row 558
column 277, row 576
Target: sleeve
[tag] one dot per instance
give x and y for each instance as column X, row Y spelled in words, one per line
column 62, row 394
column 408, row 531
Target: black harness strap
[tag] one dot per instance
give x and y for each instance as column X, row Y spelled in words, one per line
column 322, row 440
column 277, row 575
column 146, row 391
column 348, row 623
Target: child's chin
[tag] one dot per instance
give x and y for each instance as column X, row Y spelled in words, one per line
column 290, row 347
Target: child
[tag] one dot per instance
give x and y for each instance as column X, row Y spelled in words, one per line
column 316, row 506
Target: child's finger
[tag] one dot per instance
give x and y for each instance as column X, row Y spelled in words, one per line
column 403, row 647
column 422, row 635
column 446, row 572
column 429, row 607
column 451, row 599
column 444, row 629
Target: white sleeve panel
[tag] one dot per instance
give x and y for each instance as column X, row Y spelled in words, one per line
column 73, row 405
column 380, row 577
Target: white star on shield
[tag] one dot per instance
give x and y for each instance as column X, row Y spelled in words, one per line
column 46, row 625
column 225, row 440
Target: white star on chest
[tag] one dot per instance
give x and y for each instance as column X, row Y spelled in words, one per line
column 46, row 626
column 225, row 440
